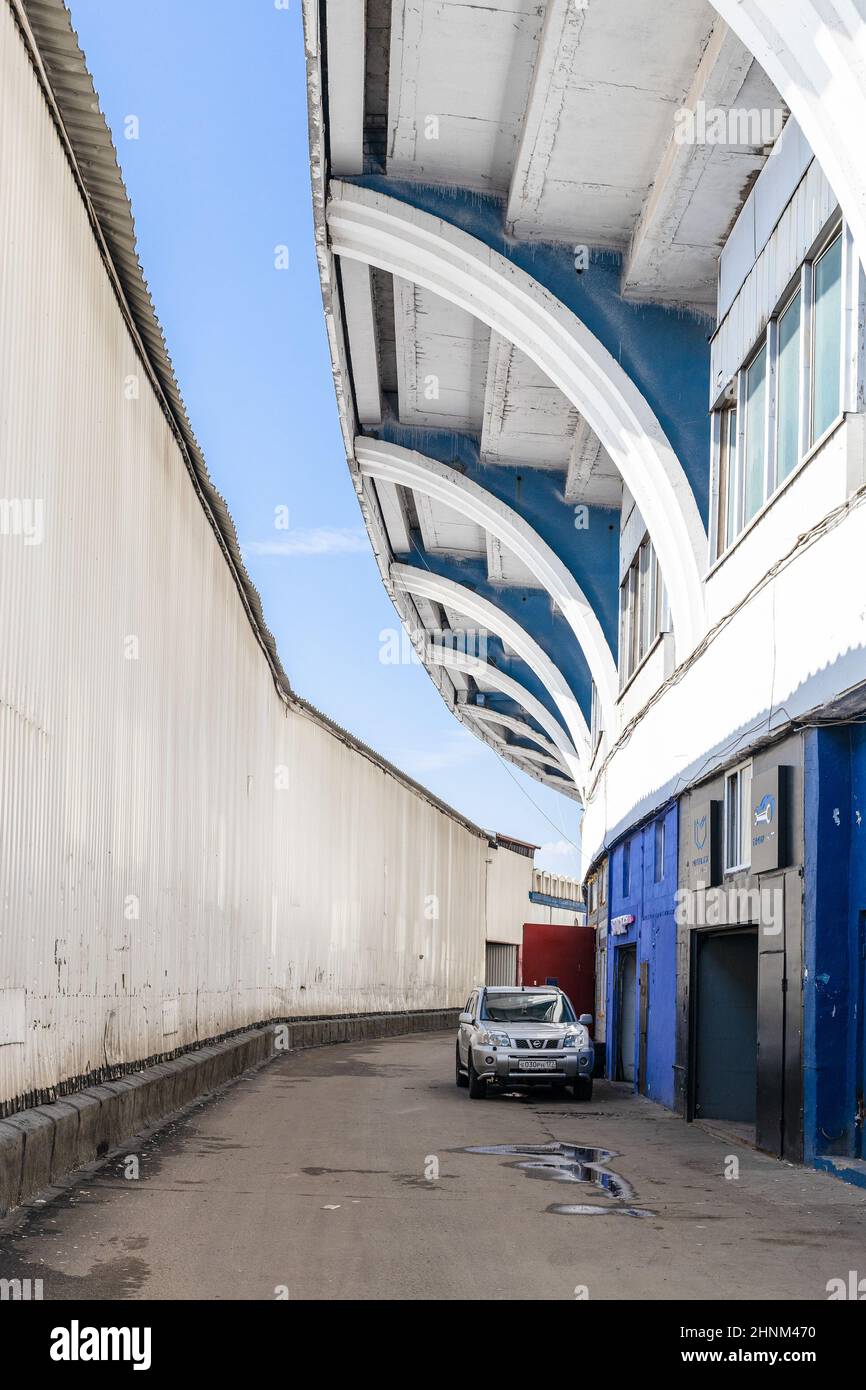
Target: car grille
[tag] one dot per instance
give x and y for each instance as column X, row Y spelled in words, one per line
column 547, row 1044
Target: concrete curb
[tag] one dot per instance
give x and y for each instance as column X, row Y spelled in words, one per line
column 40, row 1146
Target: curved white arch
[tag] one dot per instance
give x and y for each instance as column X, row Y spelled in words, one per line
column 410, row 580
column 370, row 226
column 814, row 52
column 394, row 464
column 485, row 715
column 542, row 766
column 491, row 675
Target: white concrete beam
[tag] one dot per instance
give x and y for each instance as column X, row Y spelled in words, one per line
column 718, row 81
column 495, row 395
column 394, row 517
column 371, row 226
column 563, row 21
column 360, row 317
column 426, row 477
column 347, row 46
column 494, row 558
column 591, row 478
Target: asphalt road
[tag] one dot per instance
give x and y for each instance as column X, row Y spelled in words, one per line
column 315, row 1177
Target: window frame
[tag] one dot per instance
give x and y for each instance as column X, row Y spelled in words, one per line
column 643, row 610
column 741, row 775
column 659, row 843
column 596, row 725
column 838, row 236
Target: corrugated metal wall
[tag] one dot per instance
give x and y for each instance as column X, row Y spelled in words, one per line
column 501, row 964
column 181, row 853
column 509, row 881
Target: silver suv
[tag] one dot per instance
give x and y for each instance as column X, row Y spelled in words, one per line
column 523, row 1035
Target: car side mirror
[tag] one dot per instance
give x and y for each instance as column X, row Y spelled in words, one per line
column 465, row 1017
column 586, row 1020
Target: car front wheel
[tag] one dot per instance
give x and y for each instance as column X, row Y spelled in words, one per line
column 477, row 1087
column 460, row 1076
column 583, row 1088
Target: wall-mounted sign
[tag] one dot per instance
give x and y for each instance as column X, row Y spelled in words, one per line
column 704, row 841
column 769, row 819
column 620, row 925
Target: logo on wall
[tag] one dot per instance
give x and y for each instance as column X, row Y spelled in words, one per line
column 620, row 925
column 701, row 831
column 765, row 811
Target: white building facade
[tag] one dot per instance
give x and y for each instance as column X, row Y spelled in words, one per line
column 593, row 278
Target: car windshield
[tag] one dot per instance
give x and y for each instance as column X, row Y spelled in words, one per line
column 526, row 1007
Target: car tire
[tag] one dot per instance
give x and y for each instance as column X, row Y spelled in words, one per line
column 477, row 1087
column 460, row 1076
column 583, row 1088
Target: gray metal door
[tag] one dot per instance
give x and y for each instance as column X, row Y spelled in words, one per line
column 725, row 1030
column 626, row 959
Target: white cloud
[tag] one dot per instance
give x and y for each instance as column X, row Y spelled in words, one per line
column 453, row 751
column 559, row 857
column 557, row 848
column 316, row 540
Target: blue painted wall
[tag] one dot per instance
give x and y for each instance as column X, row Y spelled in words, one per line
column 654, row 933
column 835, row 897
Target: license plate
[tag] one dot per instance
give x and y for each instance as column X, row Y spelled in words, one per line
column 536, row 1064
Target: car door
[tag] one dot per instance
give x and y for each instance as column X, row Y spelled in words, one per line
column 465, row 1030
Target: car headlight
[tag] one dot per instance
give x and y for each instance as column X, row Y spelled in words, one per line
column 576, row 1037
column 490, row 1036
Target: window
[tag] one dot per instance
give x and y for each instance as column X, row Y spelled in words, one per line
column 592, row 895
column 789, row 392
column 827, row 330
column 788, row 401
column 626, row 868
column 595, row 724
column 539, row 1006
column 643, row 609
column 659, row 850
column 603, row 885
column 727, row 479
column 738, row 796
column 756, row 411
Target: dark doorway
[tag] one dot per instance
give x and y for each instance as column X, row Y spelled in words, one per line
column 726, row 1026
column 626, row 964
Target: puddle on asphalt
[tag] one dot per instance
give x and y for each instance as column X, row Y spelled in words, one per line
column 570, row 1163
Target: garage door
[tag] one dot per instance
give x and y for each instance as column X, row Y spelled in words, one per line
column 501, row 964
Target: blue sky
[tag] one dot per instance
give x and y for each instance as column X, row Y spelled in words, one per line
column 218, row 177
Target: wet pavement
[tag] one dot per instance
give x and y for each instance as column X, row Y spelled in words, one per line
column 361, row 1171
